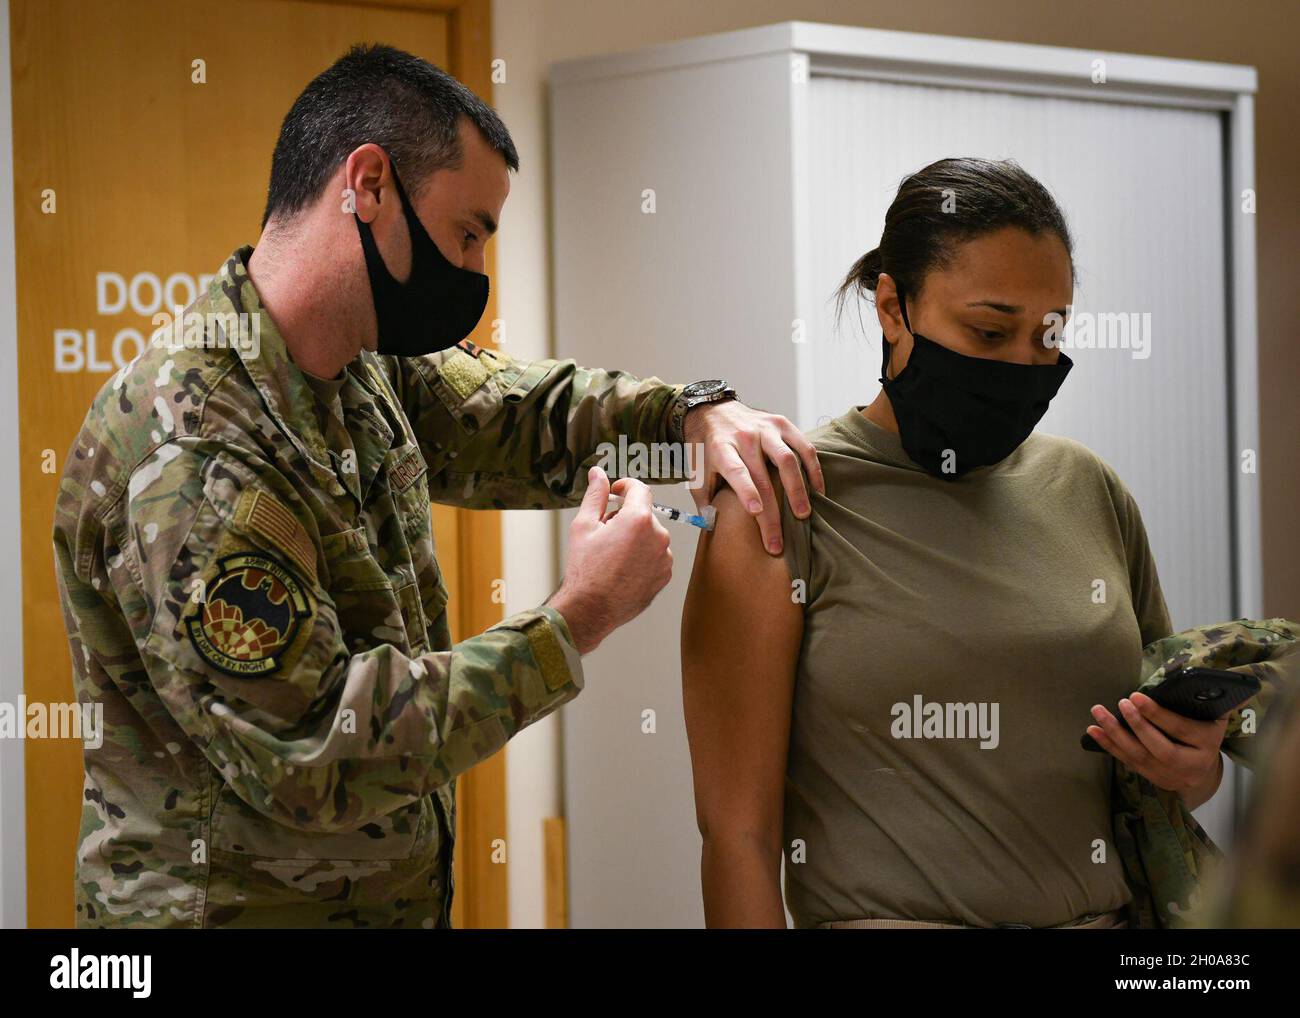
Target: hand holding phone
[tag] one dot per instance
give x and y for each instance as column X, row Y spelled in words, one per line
column 1202, row 694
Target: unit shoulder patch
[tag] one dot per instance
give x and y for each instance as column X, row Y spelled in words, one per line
column 250, row 616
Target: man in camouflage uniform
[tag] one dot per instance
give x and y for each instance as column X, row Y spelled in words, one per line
column 247, row 569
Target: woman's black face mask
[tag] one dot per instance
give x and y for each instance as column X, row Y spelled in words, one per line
column 439, row 304
column 956, row 413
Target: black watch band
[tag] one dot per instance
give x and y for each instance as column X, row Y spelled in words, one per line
column 712, row 390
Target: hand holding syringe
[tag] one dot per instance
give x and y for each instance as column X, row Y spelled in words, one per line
column 705, row 520
column 613, row 568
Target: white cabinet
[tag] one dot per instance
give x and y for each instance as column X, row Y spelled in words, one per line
column 708, row 197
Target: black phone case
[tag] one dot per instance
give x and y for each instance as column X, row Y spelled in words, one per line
column 1202, row 694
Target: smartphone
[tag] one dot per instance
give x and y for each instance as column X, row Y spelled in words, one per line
column 1202, row 694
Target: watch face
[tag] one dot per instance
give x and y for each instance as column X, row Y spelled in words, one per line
column 709, row 387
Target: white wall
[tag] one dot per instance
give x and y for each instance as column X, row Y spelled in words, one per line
column 528, row 548
column 702, row 288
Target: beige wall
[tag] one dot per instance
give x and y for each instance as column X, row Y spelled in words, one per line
column 530, row 35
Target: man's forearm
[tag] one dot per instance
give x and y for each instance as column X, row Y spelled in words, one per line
column 536, row 428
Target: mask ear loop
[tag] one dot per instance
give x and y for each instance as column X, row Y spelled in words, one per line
column 902, row 306
column 884, row 366
column 408, row 210
column 370, row 248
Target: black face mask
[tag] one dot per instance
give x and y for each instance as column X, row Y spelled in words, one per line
column 439, row 304
column 956, row 413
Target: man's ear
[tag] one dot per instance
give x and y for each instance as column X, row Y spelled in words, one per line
column 365, row 172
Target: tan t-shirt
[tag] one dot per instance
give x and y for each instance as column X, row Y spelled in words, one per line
column 955, row 636
column 329, row 407
column 325, row 388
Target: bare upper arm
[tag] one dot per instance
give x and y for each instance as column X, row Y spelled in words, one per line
column 741, row 632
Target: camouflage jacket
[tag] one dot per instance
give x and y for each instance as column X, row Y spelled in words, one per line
column 1167, row 855
column 250, row 589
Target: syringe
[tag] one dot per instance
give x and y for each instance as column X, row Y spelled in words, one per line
column 705, row 520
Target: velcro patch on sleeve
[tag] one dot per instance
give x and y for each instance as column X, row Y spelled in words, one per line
column 265, row 516
column 463, row 373
column 548, row 653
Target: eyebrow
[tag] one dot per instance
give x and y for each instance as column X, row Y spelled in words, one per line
column 1009, row 309
column 487, row 222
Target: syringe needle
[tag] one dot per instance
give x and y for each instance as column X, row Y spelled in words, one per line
column 707, row 517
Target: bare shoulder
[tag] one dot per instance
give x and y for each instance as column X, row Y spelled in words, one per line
column 734, row 579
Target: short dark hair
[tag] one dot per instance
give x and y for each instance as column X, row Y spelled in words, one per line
column 378, row 94
column 920, row 235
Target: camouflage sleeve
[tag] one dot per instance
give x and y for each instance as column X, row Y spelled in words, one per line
column 505, row 434
column 241, row 640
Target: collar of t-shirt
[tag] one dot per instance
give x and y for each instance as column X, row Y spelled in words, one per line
column 326, row 389
column 887, row 446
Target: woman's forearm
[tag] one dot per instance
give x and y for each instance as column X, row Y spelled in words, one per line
column 742, row 884
column 1197, row 797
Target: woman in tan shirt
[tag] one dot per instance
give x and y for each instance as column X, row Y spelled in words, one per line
column 895, row 704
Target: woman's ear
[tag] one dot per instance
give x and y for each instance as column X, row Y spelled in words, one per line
column 890, row 314
column 889, row 310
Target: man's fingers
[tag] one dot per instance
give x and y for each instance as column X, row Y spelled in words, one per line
column 733, row 470
column 636, row 494
column 769, row 517
column 797, row 441
column 597, row 493
column 787, row 465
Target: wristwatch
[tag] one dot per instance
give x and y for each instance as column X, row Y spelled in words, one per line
column 712, row 390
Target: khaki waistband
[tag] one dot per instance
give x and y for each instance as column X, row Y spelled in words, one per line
column 1115, row 920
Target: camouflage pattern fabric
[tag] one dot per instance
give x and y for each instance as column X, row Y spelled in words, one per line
column 1167, row 855
column 250, row 589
